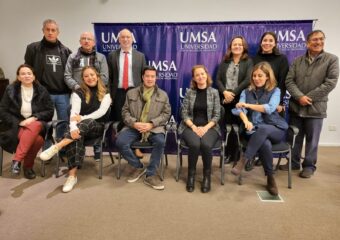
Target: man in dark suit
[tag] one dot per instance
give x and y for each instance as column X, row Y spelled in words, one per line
column 125, row 71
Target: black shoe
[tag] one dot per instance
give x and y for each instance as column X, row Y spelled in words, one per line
column 191, row 181
column 29, row 173
column 285, row 167
column 250, row 165
column 206, row 184
column 15, row 168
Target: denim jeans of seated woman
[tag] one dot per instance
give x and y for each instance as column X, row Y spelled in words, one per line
column 260, row 142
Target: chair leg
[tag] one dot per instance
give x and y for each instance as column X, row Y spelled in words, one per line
column 118, row 168
column 240, row 179
column 222, row 164
column 178, row 164
column 290, row 169
column 112, row 160
column 166, row 159
column 278, row 164
column 57, row 167
column 100, row 174
column 162, row 168
column 42, row 169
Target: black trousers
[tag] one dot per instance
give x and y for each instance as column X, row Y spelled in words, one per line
column 232, row 147
column 199, row 146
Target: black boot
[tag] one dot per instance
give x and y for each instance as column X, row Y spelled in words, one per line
column 271, row 185
column 206, row 184
column 191, row 180
column 15, row 168
column 29, row 173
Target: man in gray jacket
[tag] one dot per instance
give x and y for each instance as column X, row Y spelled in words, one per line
column 86, row 56
column 309, row 81
column 145, row 113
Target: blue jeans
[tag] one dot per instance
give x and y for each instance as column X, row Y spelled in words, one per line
column 61, row 104
column 261, row 142
column 129, row 136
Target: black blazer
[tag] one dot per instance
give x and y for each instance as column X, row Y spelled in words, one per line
column 243, row 76
column 138, row 64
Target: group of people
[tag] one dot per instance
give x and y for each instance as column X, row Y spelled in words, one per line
column 85, row 87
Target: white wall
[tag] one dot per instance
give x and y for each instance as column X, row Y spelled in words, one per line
column 21, row 23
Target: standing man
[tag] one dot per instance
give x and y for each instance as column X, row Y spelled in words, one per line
column 125, row 70
column 145, row 113
column 86, row 56
column 48, row 57
column 309, row 81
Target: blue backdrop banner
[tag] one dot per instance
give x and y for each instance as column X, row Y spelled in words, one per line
column 173, row 48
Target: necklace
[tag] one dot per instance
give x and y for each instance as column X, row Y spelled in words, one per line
column 27, row 94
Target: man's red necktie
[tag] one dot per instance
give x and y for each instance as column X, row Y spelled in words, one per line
column 126, row 71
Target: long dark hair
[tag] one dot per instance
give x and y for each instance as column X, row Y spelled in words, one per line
column 276, row 51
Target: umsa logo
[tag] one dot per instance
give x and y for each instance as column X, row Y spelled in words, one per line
column 197, row 41
column 166, row 70
column 110, row 41
column 291, row 39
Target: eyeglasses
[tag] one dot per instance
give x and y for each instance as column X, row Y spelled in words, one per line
column 321, row 39
column 86, row 39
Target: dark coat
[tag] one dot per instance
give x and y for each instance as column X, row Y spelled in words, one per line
column 10, row 116
column 138, row 64
column 246, row 67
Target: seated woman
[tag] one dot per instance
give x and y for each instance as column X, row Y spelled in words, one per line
column 89, row 104
column 262, row 123
column 199, row 127
column 24, row 109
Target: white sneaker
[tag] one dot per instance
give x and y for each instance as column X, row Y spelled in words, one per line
column 49, row 153
column 70, row 182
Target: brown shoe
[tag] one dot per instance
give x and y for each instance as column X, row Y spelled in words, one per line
column 237, row 169
column 134, row 174
column 154, row 182
column 138, row 153
column 271, row 186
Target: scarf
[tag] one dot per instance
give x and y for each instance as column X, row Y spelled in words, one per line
column 80, row 55
column 147, row 94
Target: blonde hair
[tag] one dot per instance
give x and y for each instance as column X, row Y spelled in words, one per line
column 268, row 71
column 86, row 90
column 193, row 84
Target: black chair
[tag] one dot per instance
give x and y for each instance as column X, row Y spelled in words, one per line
column 219, row 146
column 280, row 150
column 146, row 146
column 87, row 142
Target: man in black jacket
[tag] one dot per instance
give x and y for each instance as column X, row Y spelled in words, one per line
column 48, row 57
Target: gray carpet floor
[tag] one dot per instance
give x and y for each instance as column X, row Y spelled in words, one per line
column 114, row 209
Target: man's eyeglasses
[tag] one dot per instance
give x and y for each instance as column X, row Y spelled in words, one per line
column 321, row 39
column 86, row 39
